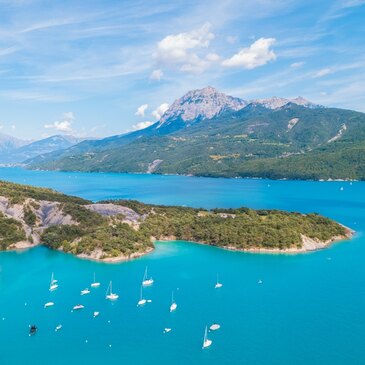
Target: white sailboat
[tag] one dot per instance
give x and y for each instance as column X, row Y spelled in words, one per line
column 85, row 291
column 96, row 314
column 173, row 305
column 109, row 293
column 147, row 281
column 141, row 301
column 53, row 285
column 49, row 304
column 218, row 284
column 206, row 342
column 78, row 307
column 58, row 328
column 95, row 284
column 215, row 327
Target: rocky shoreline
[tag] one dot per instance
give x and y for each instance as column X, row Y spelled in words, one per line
column 309, row 245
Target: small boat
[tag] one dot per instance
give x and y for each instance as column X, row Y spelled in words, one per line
column 53, row 285
column 214, row 327
column 218, row 284
column 206, row 342
column 173, row 305
column 78, row 306
column 85, row 291
column 96, row 314
column 260, row 282
column 32, row 330
column 95, row 284
column 147, row 281
column 49, row 304
column 109, row 293
column 58, row 327
column 167, row 330
column 141, row 301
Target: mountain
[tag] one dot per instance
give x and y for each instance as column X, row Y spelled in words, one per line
column 9, row 143
column 210, row 134
column 199, row 105
column 22, row 150
column 276, row 102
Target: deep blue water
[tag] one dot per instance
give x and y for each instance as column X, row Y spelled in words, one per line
column 309, row 309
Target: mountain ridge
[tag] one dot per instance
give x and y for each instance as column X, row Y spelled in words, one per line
column 229, row 137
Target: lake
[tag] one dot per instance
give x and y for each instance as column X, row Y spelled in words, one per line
column 309, row 308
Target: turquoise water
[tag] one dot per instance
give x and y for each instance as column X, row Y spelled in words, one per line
column 309, row 309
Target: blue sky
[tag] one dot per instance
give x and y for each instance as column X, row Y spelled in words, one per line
column 98, row 68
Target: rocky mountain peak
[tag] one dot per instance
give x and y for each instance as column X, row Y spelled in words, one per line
column 278, row 102
column 200, row 104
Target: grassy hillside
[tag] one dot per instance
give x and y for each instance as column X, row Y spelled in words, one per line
column 17, row 193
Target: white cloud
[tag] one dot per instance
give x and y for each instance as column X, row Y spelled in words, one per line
column 141, row 110
column 182, row 49
column 212, row 57
column 323, row 72
column 156, row 74
column 297, row 64
column 258, row 54
column 141, row 125
column 160, row 111
column 1, row 126
column 232, row 39
column 63, row 125
column 13, row 127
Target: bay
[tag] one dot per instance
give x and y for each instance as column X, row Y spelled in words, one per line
column 308, row 309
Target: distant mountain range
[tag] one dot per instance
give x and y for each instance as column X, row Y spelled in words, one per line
column 208, row 133
column 13, row 150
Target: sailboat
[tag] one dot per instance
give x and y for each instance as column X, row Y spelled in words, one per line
column 141, row 301
column 173, row 305
column 78, row 307
column 109, row 293
column 147, row 281
column 218, row 284
column 53, row 285
column 85, row 291
column 95, row 284
column 206, row 342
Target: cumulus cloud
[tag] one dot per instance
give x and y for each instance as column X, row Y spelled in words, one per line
column 160, row 111
column 212, row 57
column 63, row 125
column 259, row 53
column 141, row 110
column 141, row 125
column 182, row 49
column 156, row 74
column 323, row 72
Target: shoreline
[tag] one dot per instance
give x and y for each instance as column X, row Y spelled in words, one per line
column 309, row 245
column 318, row 246
column 189, row 175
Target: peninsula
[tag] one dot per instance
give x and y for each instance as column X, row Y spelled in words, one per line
column 123, row 229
